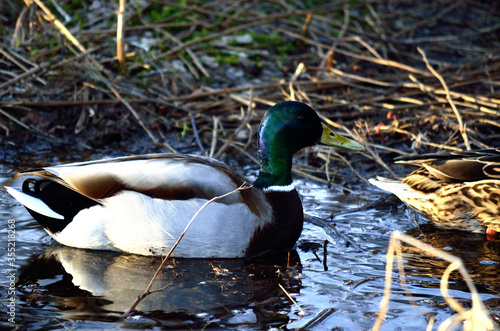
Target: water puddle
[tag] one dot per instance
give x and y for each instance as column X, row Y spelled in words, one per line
column 336, row 276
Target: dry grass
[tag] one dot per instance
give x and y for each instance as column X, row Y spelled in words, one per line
column 476, row 318
column 403, row 77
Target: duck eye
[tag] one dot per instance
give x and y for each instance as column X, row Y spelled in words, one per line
column 301, row 117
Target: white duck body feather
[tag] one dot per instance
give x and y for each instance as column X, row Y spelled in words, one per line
column 397, row 188
column 128, row 220
column 137, row 210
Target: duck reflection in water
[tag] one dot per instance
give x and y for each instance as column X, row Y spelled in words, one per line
column 90, row 282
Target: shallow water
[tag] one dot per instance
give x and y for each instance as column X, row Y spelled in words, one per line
column 336, row 276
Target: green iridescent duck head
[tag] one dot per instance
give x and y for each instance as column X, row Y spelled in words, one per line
column 286, row 128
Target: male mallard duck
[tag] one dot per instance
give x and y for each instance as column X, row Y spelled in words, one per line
column 458, row 190
column 141, row 204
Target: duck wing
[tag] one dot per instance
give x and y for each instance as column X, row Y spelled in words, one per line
column 163, row 176
column 463, row 166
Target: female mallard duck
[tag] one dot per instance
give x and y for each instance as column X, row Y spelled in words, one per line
column 141, row 204
column 458, row 190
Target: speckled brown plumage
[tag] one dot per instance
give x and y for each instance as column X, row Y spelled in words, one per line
column 459, row 190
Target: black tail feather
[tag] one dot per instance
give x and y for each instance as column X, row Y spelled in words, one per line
column 57, row 197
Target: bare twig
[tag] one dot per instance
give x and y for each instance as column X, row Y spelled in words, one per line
column 302, row 312
column 120, row 48
column 20, row 65
column 147, row 291
column 243, row 124
column 331, row 51
column 42, row 67
column 476, row 317
column 448, row 97
column 134, row 113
